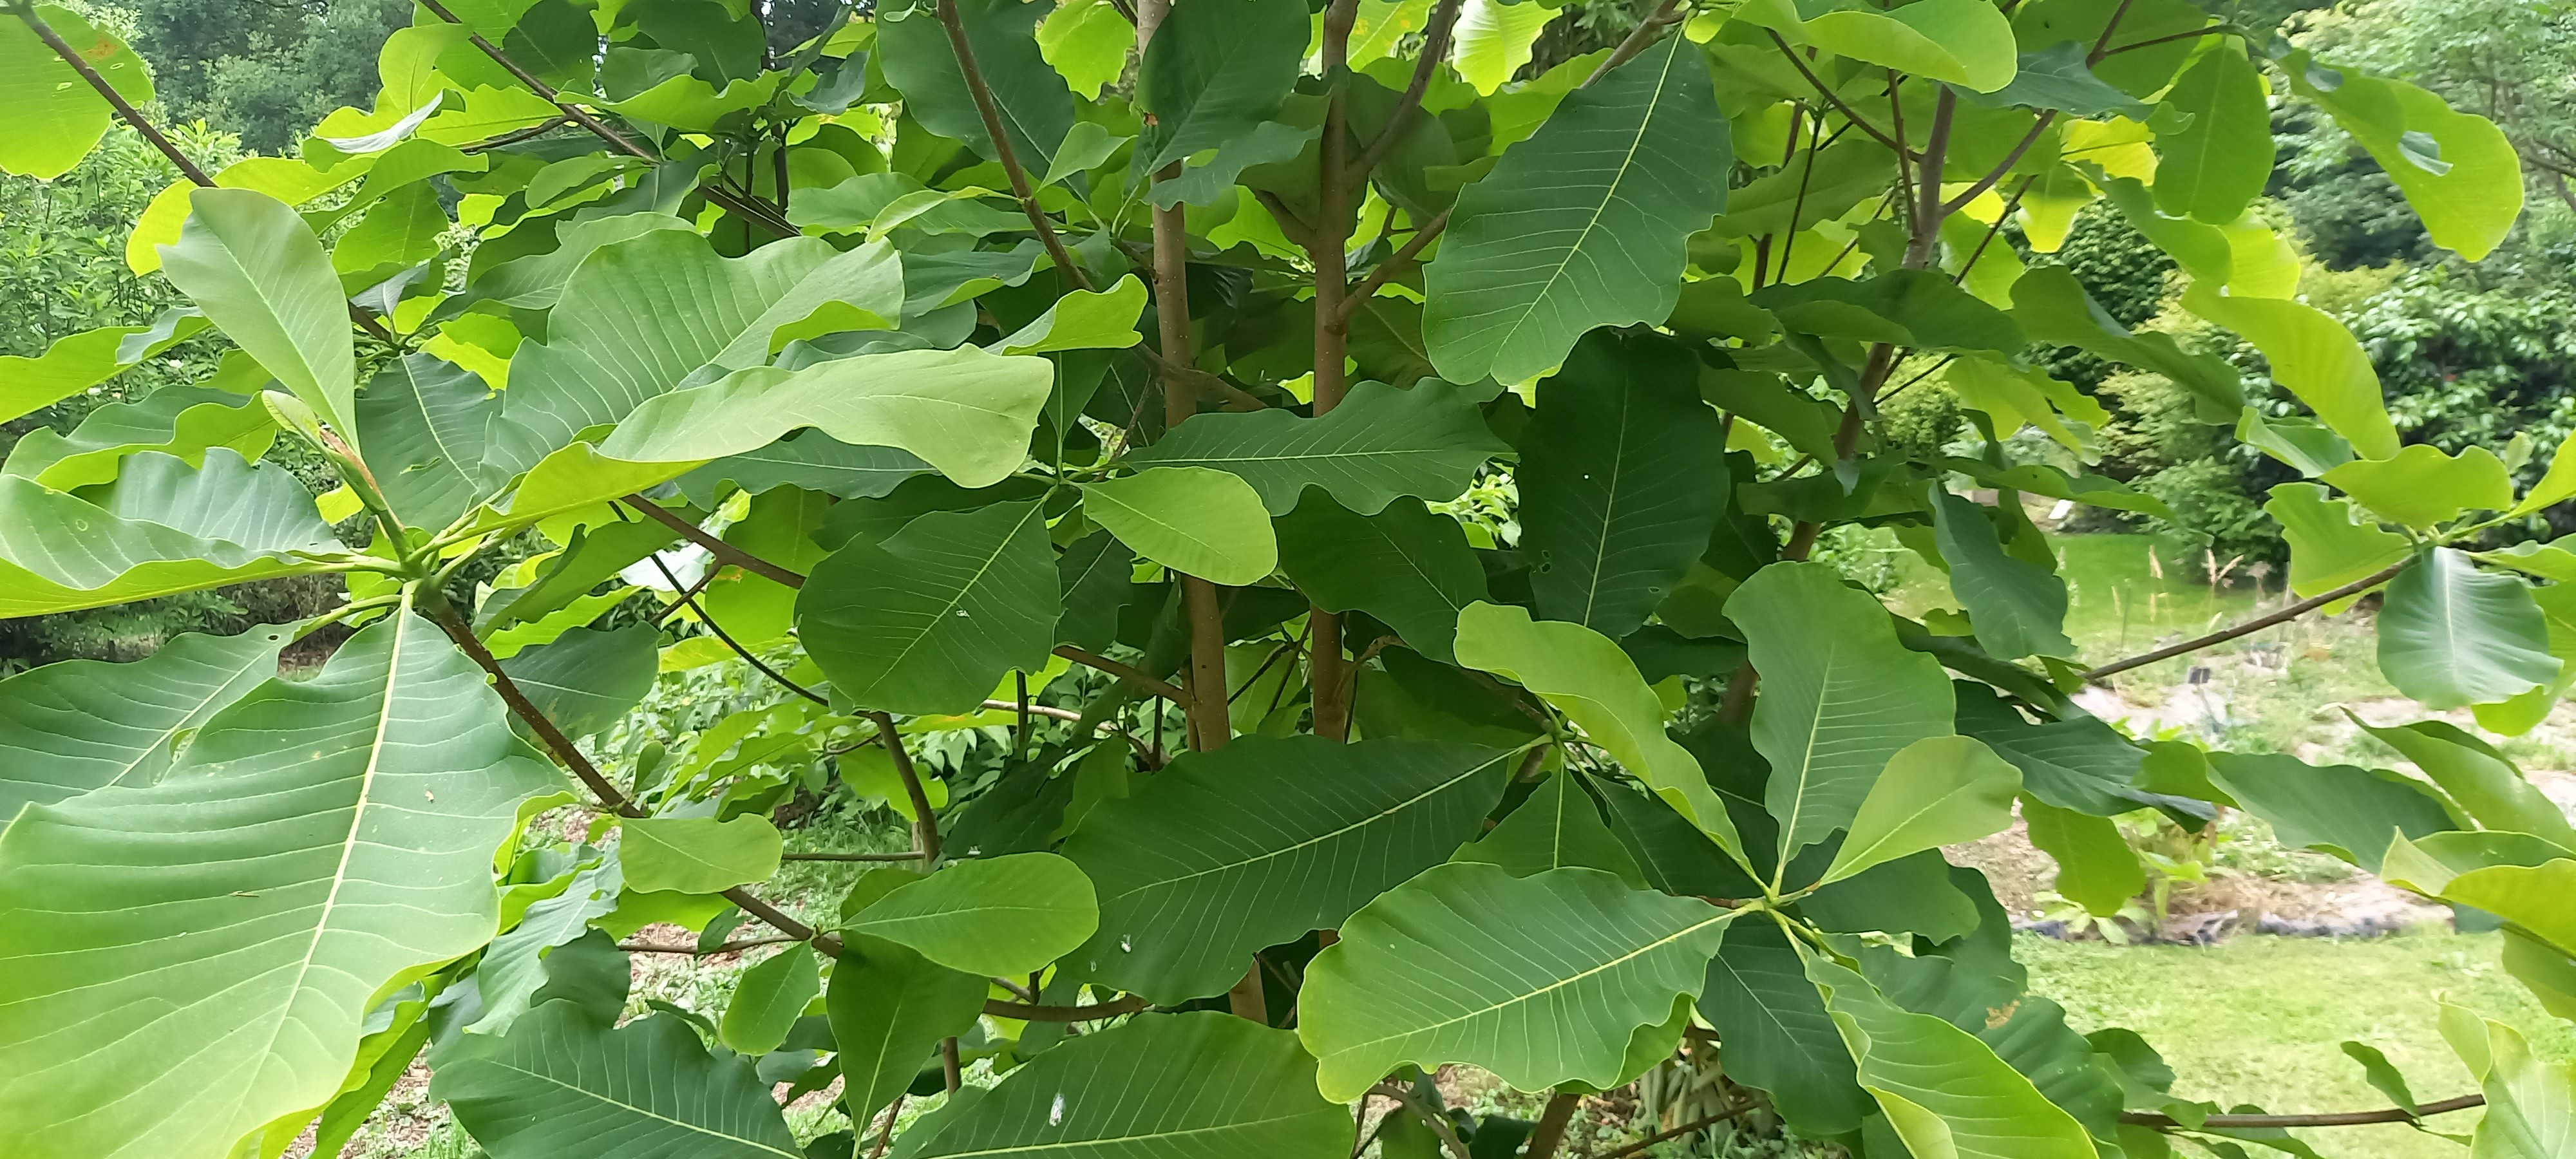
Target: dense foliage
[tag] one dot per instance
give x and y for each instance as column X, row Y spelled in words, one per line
column 1445, row 440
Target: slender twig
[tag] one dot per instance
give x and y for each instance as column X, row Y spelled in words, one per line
column 2211, row 30
column 949, row 1066
column 1798, row 204
column 1366, row 288
column 1997, row 226
column 1031, row 1012
column 749, row 210
column 505, row 139
column 710, row 621
column 2102, row 43
column 1930, row 209
column 1406, row 1098
column 886, row 1136
column 1290, row 224
column 2256, row 624
column 2037, row 127
column 925, row 823
column 2323, row 1119
column 906, row 855
column 727, row 948
column 1701, row 1123
column 1002, row 151
column 1647, row 32
column 1435, row 48
column 724, row 552
column 1835, row 99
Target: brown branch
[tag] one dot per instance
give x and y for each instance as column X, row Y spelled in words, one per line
column 1435, row 48
column 1936, row 156
column 727, row 948
column 925, row 823
column 1002, row 150
column 2322, row 1119
column 1697, row 1124
column 1847, row 111
column 2038, row 126
column 1366, row 288
column 722, row 551
column 2211, row 30
column 2103, row 42
column 1131, row 675
column 710, row 621
column 1290, row 224
column 749, row 210
column 2256, row 624
column 1647, row 32
column 1027, row 1012
column 1550, row 1135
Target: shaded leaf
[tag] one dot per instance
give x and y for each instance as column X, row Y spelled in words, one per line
column 425, row 419
column 259, row 274
column 564, row 1086
column 1004, row 916
column 1777, row 1033
column 1407, row 566
column 1380, row 443
column 2452, row 636
column 932, row 618
column 2018, row 607
column 918, row 59
column 587, row 679
column 1556, row 826
column 2347, row 811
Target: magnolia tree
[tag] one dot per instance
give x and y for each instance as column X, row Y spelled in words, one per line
column 1427, row 454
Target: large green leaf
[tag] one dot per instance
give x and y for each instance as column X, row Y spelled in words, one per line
column 965, row 412
column 697, row 854
column 1840, row 697
column 182, row 421
column 1008, row 915
column 1109, row 1095
column 1407, row 566
column 2076, row 763
column 425, row 419
column 2096, row 868
column 640, row 317
column 1777, row 1033
column 814, row 461
column 889, row 1008
column 2018, row 607
column 2479, row 780
column 2052, row 307
column 1964, row 42
column 1941, row 790
column 1623, row 480
column 1583, row 224
column 1254, row 844
column 2328, row 548
column 2458, row 171
column 929, row 620
column 587, row 679
column 2213, row 140
column 2347, row 811
column 161, row 528
column 918, row 59
column 563, row 1086
column 1557, row 825
column 76, row 362
column 768, row 1000
column 1584, row 675
column 68, row 728
column 260, row 275
column 1215, row 72
column 1194, row 520
column 55, row 118
column 2452, row 636
column 1380, row 443
column 1944, row 1092
column 2313, row 355
column 2531, row 1104
column 1425, row 975
column 190, row 960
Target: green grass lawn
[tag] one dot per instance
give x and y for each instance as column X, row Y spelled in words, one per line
column 2258, row 1019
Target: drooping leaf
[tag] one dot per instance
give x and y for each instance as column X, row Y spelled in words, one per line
column 697, row 854
column 2035, row 1040
column 1195, row 520
column 1912, row 894
column 426, row 418
column 2056, row 77
column 1840, row 697
column 1583, row 224
column 2457, row 170
column 1913, row 307
column 1943, row 1091
column 519, row 964
column 1624, row 481
column 889, row 1008
column 814, row 461
column 2452, row 636
column 2422, row 486
column 2215, row 163
column 2052, row 307
column 179, row 421
column 769, row 999
column 2479, row 780
column 562, row 1084
column 2313, row 355
column 587, row 679
column 2096, row 868
column 161, row 528
column 1406, row 566
column 2328, row 548
column 1225, row 852
column 2018, row 607
column 319, row 843
column 1213, row 74
column 259, row 274
column 1557, row 826
column 1960, row 41
column 2350, row 812
column 1379, row 444
column 989, row 916
column 71, row 727
column 76, row 362
column 920, row 62
column 1941, row 790
column 929, row 620
column 2531, row 1104
column 1588, row 678
column 2075, row 763
column 1105, row 1094
column 1777, row 1033
column 1420, row 976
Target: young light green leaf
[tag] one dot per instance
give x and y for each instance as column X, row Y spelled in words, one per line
column 76, row 362
column 1083, row 320
column 2019, row 608
column 1087, row 41
column 1493, row 40
column 989, row 916
column 2531, row 1104
column 161, row 528
column 2213, row 140
column 697, row 854
column 2314, row 356
column 769, row 999
column 562, row 1085
column 1381, row 443
column 2330, row 545
column 1964, row 42
column 1585, row 676
column 2451, row 635
column 930, row 619
column 1940, row 790
column 1624, row 480
column 1406, row 565
column 1225, row 852
column 318, row 844
column 1555, row 996
column 1840, row 697
column 71, row 727
column 1106, row 1095
column 1944, row 1092
column 2422, row 486
column 1583, row 224
column 1195, row 520
column 2458, row 171
column 889, row 1008
column 181, row 421
column 55, row 118
column 259, row 274
column 426, row 418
